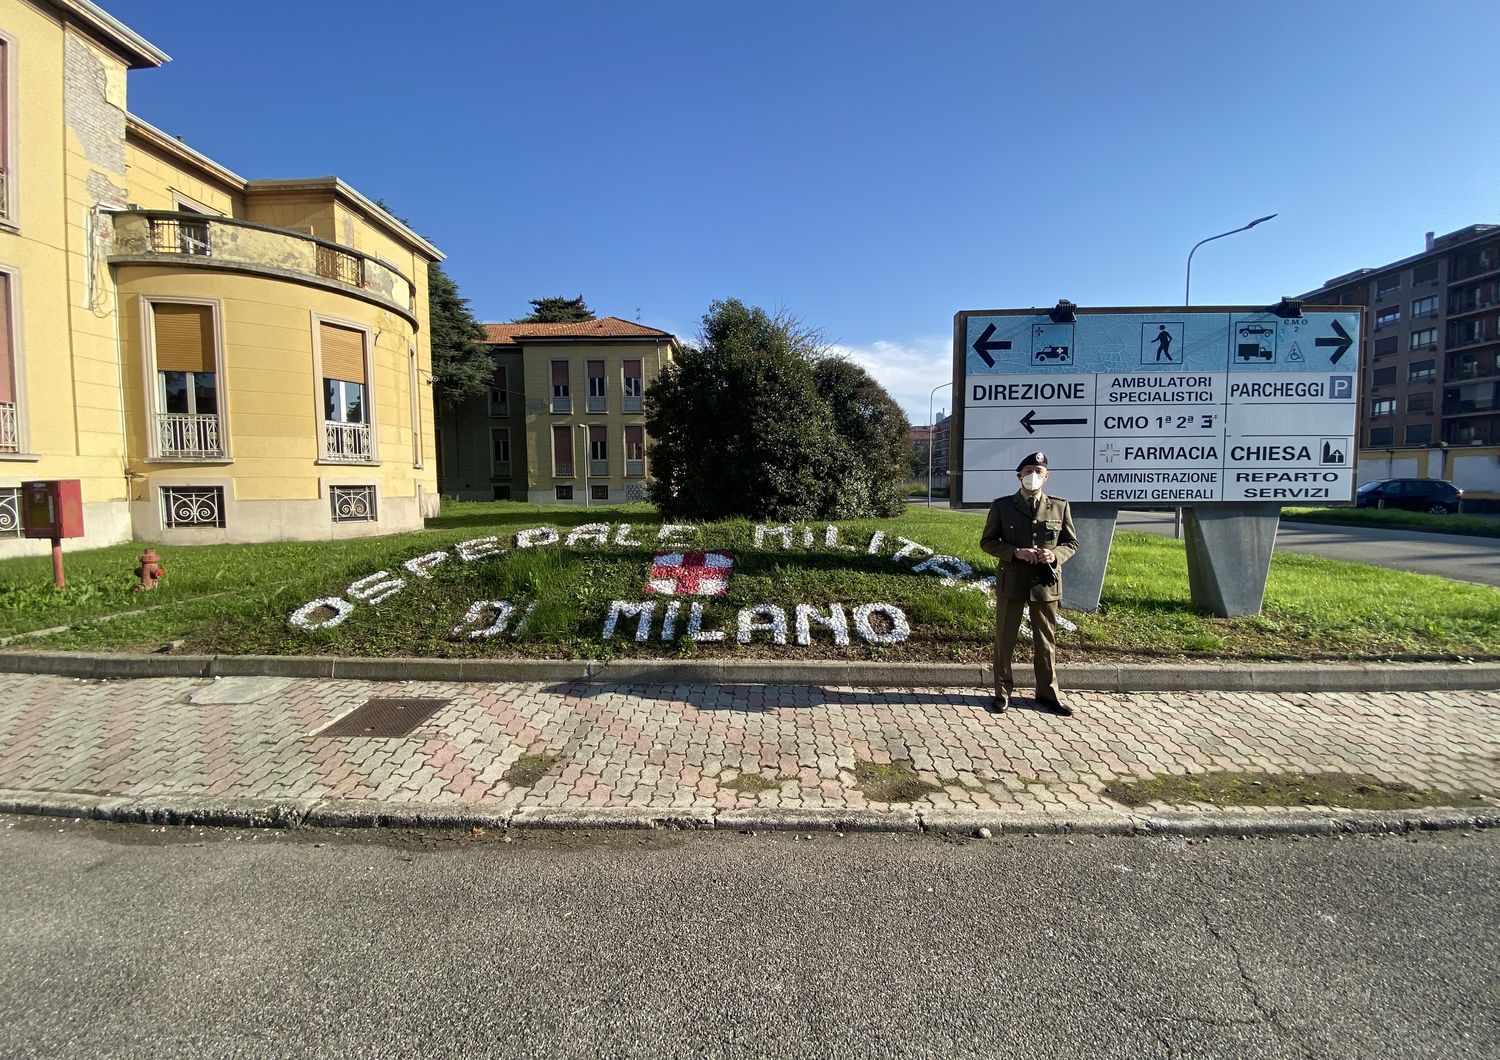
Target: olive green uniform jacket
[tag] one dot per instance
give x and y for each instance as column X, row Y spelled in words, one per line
column 1011, row 526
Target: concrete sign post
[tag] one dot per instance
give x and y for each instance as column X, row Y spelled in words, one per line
column 1230, row 412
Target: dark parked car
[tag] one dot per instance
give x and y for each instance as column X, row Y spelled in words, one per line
column 1413, row 494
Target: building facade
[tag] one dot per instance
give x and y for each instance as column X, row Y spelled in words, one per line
column 563, row 422
column 1430, row 375
column 214, row 358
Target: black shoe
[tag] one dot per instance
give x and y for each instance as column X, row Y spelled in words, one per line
column 1057, row 707
column 998, row 705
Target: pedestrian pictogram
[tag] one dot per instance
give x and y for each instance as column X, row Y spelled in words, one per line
column 1161, row 343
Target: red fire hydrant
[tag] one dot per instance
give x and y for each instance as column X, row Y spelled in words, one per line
column 150, row 571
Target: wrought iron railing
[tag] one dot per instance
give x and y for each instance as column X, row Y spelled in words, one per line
column 347, row 443
column 596, row 403
column 10, row 512
column 335, row 264
column 174, row 235
column 10, row 430
column 632, row 403
column 192, row 506
column 562, row 469
column 4, row 193
column 188, row 434
column 598, row 468
column 635, row 468
column 352, row 504
column 562, row 403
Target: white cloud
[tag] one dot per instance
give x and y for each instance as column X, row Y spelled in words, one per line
column 909, row 370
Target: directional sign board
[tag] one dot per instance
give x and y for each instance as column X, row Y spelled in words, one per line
column 1159, row 406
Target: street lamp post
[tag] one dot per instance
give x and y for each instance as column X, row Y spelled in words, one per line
column 932, row 440
column 1187, row 300
column 1188, row 287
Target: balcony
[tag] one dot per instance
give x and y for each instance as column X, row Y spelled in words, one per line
column 635, row 469
column 632, row 402
column 596, row 403
column 562, row 469
column 347, row 443
column 152, row 237
column 562, row 403
column 189, row 436
column 10, row 431
column 598, row 468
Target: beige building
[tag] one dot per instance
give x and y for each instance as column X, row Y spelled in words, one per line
column 563, row 421
column 215, row 358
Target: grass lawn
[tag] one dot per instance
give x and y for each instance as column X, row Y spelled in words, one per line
column 1475, row 525
column 237, row 598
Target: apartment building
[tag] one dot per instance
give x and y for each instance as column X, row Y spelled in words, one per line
column 563, row 421
column 215, row 358
column 1430, row 374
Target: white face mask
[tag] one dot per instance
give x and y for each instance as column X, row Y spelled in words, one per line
column 1032, row 482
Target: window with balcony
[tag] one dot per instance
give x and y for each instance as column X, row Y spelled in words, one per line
column 1417, row 434
column 1387, row 285
column 1424, row 307
column 1382, row 407
column 1388, row 345
column 631, row 372
column 499, row 392
column 335, row 264
column 1419, row 402
column 562, row 400
column 347, row 437
column 635, row 451
column 1384, row 377
column 10, row 415
column 1426, row 339
column 562, row 452
column 1475, row 262
column 1382, row 436
column 500, row 450
column 188, row 425
column 1421, row 371
column 7, row 167
column 1466, row 367
column 598, row 451
column 1386, row 317
column 180, row 235
column 596, row 386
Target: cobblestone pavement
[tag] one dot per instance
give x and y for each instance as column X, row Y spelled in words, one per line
column 689, row 746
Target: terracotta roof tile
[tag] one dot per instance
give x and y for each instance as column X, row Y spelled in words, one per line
column 603, row 328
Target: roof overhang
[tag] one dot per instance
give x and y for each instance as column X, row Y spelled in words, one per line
column 170, row 145
column 137, row 51
column 350, row 195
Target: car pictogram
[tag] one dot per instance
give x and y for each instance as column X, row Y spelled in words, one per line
column 1052, row 353
column 1254, row 329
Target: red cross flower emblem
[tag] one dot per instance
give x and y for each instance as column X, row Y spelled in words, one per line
column 690, row 573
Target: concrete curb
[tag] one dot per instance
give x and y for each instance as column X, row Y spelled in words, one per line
column 353, row 813
column 1166, row 677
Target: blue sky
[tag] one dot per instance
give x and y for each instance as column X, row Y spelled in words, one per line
column 874, row 167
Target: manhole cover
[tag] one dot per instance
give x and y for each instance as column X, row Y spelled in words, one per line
column 384, row 718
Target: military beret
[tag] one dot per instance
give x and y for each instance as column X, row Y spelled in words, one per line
column 1039, row 459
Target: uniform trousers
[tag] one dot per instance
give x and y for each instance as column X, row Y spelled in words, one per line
column 1043, row 646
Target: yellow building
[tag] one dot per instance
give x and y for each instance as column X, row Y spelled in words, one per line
column 563, row 423
column 215, row 358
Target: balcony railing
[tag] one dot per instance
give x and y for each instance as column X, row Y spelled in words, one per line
column 562, row 469
column 335, row 264
column 176, row 235
column 4, row 193
column 635, row 468
column 562, row 403
column 140, row 235
column 190, row 435
column 598, row 468
column 10, row 431
column 632, row 402
column 596, row 403
column 348, row 443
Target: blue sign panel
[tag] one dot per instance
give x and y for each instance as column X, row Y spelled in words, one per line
column 1174, row 406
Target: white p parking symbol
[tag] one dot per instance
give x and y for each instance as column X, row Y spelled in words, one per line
column 1341, row 387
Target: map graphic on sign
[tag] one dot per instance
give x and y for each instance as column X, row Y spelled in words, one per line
column 1159, row 406
column 690, row 573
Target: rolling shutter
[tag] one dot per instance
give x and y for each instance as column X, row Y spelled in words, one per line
column 184, row 338
column 343, row 353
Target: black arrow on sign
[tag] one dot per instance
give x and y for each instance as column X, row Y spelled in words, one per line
column 1030, row 422
column 983, row 345
column 1343, row 342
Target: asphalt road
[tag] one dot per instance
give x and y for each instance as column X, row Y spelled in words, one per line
column 121, row 942
column 1456, row 556
column 1462, row 558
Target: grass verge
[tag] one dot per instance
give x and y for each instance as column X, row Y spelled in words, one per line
column 236, row 599
column 1347, row 791
column 1462, row 523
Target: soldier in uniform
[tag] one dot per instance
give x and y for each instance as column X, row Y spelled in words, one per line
column 1031, row 534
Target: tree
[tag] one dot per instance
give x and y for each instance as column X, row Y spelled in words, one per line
column 557, row 311
column 739, row 427
column 461, row 365
column 874, row 429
